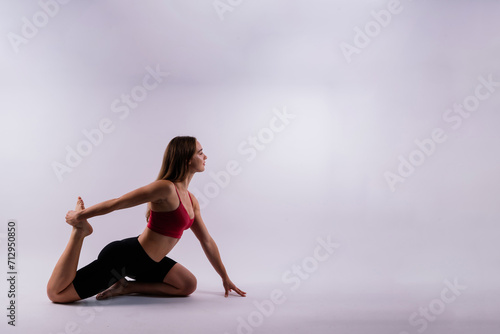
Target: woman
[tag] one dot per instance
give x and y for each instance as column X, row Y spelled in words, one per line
column 171, row 210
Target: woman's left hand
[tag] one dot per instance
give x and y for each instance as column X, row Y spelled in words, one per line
column 228, row 286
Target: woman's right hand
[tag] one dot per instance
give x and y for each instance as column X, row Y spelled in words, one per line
column 72, row 217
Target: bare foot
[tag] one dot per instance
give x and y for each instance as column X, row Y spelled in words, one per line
column 83, row 226
column 117, row 289
column 79, row 204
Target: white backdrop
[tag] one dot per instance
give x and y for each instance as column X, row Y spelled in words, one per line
column 374, row 123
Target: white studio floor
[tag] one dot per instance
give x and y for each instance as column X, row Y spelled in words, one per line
column 304, row 311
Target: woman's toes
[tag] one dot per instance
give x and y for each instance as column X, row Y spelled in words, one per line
column 79, row 204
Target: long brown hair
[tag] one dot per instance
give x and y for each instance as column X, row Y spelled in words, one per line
column 175, row 161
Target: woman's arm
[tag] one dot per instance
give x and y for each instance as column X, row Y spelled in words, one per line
column 211, row 250
column 152, row 192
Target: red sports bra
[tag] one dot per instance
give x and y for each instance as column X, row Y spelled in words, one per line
column 171, row 223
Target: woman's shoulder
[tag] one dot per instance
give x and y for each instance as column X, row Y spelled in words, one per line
column 165, row 190
column 166, row 183
column 165, row 186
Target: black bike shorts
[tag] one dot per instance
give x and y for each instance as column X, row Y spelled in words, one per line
column 117, row 260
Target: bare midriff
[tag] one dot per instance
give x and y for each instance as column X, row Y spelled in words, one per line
column 157, row 246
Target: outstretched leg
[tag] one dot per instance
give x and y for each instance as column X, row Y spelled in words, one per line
column 60, row 287
column 179, row 282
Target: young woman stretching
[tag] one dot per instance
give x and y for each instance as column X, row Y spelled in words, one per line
column 171, row 210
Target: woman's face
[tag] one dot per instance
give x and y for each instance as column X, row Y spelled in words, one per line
column 197, row 162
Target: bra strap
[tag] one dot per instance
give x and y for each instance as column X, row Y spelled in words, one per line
column 177, row 192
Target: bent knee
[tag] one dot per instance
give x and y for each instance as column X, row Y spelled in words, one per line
column 189, row 286
column 66, row 296
column 57, row 298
